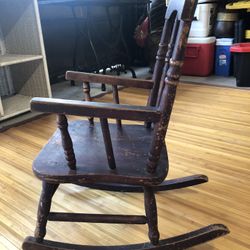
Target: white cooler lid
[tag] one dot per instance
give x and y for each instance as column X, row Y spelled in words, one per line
column 224, row 41
column 202, row 40
column 208, row 1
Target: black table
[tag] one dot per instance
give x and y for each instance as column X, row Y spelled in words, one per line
column 89, row 35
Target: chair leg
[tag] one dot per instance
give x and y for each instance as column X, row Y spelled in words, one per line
column 151, row 213
column 48, row 191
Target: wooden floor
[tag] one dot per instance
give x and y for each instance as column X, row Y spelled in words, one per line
column 209, row 134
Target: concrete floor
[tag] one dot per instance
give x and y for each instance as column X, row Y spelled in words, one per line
column 211, row 80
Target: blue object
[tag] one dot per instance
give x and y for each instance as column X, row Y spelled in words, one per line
column 223, row 58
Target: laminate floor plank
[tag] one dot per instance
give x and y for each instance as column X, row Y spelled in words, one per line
column 209, row 133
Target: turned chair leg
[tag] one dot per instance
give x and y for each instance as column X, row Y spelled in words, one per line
column 151, row 213
column 48, row 191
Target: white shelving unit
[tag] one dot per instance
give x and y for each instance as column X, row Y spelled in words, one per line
column 23, row 67
column 7, row 60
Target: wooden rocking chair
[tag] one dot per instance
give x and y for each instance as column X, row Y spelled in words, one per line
column 144, row 169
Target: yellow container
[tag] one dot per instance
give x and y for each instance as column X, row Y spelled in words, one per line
column 238, row 5
column 247, row 35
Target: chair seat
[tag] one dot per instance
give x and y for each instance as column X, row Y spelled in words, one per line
column 131, row 145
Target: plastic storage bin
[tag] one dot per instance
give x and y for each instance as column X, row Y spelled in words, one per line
column 199, row 56
column 203, row 23
column 225, row 24
column 241, row 52
column 223, row 58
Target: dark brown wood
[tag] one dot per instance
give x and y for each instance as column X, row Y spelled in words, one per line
column 160, row 59
column 164, row 186
column 98, row 218
column 108, row 143
column 172, row 73
column 168, row 59
column 103, row 86
column 86, row 91
column 130, row 146
column 137, row 156
column 117, row 101
column 151, row 213
column 180, row 242
column 160, row 130
column 95, row 109
column 66, row 141
column 48, row 191
column 112, row 80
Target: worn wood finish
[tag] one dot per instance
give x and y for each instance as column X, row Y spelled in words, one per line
column 95, row 109
column 173, row 73
column 112, row 80
column 98, row 218
column 48, row 191
column 177, row 183
column 92, row 165
column 163, row 55
column 108, row 143
column 140, row 152
column 66, row 141
column 158, row 96
column 179, row 242
column 160, row 130
column 151, row 213
column 86, row 91
column 117, row 101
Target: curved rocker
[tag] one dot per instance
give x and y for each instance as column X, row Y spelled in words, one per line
column 164, row 186
column 174, row 243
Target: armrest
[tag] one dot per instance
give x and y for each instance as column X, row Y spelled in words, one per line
column 95, row 109
column 112, row 80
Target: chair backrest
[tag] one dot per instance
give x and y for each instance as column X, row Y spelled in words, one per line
column 169, row 61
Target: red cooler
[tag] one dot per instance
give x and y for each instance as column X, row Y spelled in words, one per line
column 199, row 56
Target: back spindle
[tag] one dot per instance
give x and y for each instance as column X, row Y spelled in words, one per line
column 160, row 59
column 165, row 47
column 171, row 74
column 86, row 91
column 117, row 101
column 168, row 56
column 108, row 143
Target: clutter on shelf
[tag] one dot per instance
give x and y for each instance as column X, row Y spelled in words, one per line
column 217, row 30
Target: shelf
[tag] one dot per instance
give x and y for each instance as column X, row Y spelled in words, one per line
column 22, row 53
column 10, row 59
column 1, row 108
column 15, row 105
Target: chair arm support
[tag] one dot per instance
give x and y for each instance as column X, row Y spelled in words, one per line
column 95, row 109
column 112, row 80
